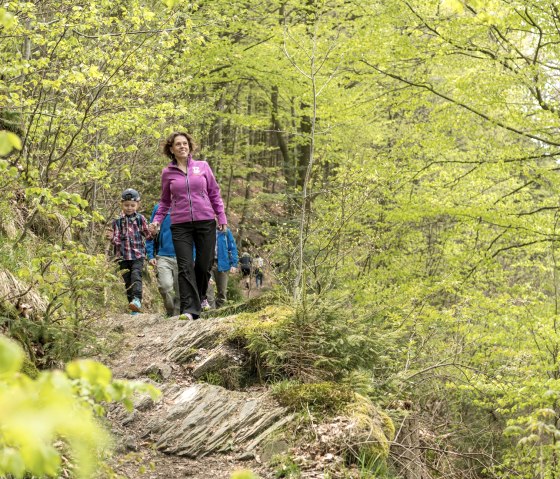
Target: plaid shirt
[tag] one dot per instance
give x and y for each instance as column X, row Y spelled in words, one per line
column 128, row 236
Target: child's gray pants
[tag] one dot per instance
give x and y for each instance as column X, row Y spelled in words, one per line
column 168, row 283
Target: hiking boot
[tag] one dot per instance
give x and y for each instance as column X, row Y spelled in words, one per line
column 135, row 305
column 205, row 305
column 185, row 316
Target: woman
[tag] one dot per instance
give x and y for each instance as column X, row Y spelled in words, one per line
column 189, row 189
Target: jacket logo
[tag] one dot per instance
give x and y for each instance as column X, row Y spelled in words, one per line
column 196, row 170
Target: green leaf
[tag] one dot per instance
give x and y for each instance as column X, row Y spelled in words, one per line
column 11, row 356
column 6, row 18
column 244, row 474
column 12, row 462
column 90, row 371
column 170, row 3
column 8, row 141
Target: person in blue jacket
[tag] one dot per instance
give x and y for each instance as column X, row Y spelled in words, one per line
column 165, row 262
column 225, row 262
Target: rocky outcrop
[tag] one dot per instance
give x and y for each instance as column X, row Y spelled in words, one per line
column 192, row 419
column 12, row 223
column 50, row 226
column 203, row 419
column 201, row 429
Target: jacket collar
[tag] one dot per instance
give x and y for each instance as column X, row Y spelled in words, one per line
column 174, row 163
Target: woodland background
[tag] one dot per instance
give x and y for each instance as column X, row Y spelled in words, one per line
column 395, row 160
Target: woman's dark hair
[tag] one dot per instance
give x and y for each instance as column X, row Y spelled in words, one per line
column 169, row 143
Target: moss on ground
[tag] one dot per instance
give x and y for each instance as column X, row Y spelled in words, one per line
column 323, row 397
column 250, row 306
column 29, row 369
column 346, row 421
column 373, row 431
column 263, row 322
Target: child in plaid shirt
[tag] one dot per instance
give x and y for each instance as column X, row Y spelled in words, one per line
column 130, row 230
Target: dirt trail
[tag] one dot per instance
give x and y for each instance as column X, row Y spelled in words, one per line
column 164, row 351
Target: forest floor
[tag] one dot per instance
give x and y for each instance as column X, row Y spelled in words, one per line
column 135, row 344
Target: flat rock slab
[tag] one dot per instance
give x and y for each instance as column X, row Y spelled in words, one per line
column 202, row 419
column 149, row 339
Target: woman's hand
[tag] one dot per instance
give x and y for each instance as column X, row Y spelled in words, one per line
column 222, row 227
column 153, row 227
column 153, row 262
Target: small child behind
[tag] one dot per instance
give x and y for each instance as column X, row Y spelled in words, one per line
column 130, row 230
column 258, row 265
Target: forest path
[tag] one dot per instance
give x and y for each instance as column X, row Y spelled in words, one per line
column 195, row 430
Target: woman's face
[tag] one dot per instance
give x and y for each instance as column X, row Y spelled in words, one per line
column 180, row 147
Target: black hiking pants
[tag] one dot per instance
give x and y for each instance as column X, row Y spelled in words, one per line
column 132, row 274
column 194, row 274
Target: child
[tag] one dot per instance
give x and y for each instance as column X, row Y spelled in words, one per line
column 258, row 265
column 161, row 255
column 246, row 261
column 129, row 232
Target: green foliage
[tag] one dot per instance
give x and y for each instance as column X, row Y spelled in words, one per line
column 285, row 467
column 308, row 344
column 426, row 257
column 8, row 141
column 231, row 377
column 213, row 378
column 6, row 19
column 73, row 281
column 325, row 397
column 244, row 474
column 95, row 382
column 372, row 467
column 39, row 415
column 234, row 291
column 29, row 369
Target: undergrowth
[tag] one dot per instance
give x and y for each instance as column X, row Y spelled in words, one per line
column 307, row 343
column 71, row 284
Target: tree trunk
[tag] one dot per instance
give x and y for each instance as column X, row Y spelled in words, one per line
column 282, row 145
column 305, row 148
column 407, row 454
column 245, row 211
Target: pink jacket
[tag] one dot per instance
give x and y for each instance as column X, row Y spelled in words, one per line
column 193, row 196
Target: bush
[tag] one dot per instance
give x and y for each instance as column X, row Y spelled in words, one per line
column 312, row 343
column 56, row 410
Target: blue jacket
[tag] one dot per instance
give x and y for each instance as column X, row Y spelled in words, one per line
column 165, row 242
column 226, row 250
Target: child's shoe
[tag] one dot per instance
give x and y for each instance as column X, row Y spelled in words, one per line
column 135, row 305
column 205, row 305
column 134, row 313
column 185, row 316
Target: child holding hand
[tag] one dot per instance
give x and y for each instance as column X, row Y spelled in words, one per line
column 130, row 230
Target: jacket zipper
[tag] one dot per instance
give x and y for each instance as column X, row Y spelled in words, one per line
column 189, row 191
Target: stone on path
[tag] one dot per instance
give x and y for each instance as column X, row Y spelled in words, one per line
column 204, row 419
